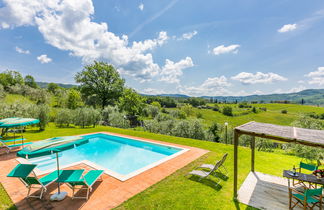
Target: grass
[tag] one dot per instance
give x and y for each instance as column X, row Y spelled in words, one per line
column 177, row 191
column 272, row 115
column 5, row 201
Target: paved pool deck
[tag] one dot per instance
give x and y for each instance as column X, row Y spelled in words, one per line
column 106, row 194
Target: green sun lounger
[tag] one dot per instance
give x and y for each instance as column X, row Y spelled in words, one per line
column 9, row 147
column 85, row 183
column 24, row 172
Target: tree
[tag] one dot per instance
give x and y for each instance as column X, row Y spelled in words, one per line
column 30, row 81
column 227, row 110
column 74, row 99
column 10, row 78
column 132, row 103
column 52, row 87
column 102, row 80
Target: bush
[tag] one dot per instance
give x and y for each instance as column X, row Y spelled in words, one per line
column 86, row 116
column 216, row 108
column 187, row 108
column 178, row 114
column 162, row 117
column 43, row 116
column 284, row 111
column 213, row 130
column 152, row 126
column 199, row 115
column 64, row 117
column 106, row 113
column 227, row 110
column 254, row 110
column 165, row 127
column 2, row 92
column 196, row 130
column 182, row 129
column 151, row 110
column 119, row 120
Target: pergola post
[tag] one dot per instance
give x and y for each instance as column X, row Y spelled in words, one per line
column 236, row 138
column 252, row 152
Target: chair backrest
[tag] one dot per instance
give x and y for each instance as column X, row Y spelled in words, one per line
column 308, row 167
column 313, row 192
column 224, row 158
column 217, row 165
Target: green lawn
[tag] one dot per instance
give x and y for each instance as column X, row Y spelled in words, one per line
column 177, row 191
column 272, row 115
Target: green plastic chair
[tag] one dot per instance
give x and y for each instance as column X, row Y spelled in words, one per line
column 309, row 199
column 85, row 183
column 305, row 166
column 23, row 172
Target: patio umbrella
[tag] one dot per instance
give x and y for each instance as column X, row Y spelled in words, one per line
column 17, row 122
column 51, row 146
column 13, row 122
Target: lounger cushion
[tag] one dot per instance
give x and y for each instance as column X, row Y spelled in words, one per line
column 209, row 166
column 90, row 178
column 199, row 173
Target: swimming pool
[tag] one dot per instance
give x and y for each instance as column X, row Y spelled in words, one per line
column 120, row 157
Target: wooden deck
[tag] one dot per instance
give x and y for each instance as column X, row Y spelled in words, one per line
column 264, row 191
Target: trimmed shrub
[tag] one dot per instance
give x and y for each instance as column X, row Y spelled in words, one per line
column 227, row 110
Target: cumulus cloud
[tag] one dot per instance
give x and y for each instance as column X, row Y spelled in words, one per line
column 224, row 50
column 171, row 71
column 152, row 91
column 316, row 77
column 141, row 6
column 259, row 77
column 210, row 87
column 189, row 35
column 67, row 25
column 287, row 27
column 44, row 59
column 21, row 51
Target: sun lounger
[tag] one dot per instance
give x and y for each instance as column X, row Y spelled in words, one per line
column 23, row 172
column 211, row 166
column 204, row 174
column 85, row 183
column 9, row 147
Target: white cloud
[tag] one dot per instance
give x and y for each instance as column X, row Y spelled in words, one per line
column 264, row 78
column 152, row 91
column 223, row 50
column 21, row 51
column 171, row 71
column 287, row 27
column 211, row 87
column 316, row 77
column 189, row 35
column 44, row 59
column 297, row 89
column 141, row 6
column 258, row 92
column 292, row 90
column 67, row 25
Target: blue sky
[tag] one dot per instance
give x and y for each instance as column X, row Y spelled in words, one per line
column 180, row 46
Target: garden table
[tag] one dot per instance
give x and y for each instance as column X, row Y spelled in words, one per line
column 310, row 178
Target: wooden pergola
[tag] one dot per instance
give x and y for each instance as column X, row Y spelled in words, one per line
column 309, row 137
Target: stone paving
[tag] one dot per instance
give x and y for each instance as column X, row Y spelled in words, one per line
column 106, row 194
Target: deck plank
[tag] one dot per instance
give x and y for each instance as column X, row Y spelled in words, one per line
column 264, row 191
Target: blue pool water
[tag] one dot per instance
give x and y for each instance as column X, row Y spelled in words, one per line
column 118, row 154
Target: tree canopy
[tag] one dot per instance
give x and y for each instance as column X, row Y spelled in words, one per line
column 102, row 80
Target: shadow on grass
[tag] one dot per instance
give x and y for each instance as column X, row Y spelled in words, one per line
column 220, row 175
column 208, row 182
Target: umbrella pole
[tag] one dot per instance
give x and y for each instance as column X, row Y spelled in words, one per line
column 58, row 171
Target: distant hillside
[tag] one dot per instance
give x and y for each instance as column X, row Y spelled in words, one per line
column 44, row 85
column 310, row 96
